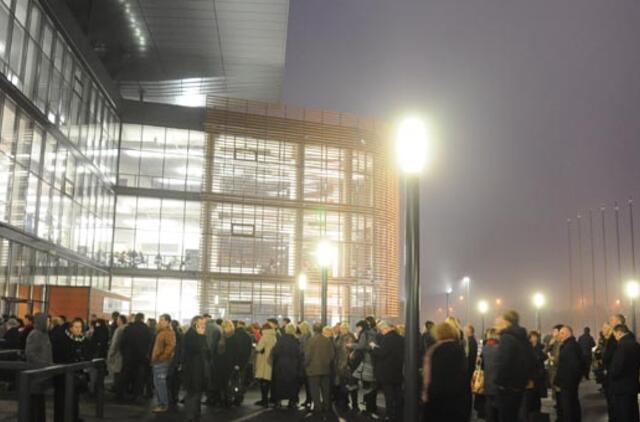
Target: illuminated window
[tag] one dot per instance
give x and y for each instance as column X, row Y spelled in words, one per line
column 246, row 230
column 244, row 154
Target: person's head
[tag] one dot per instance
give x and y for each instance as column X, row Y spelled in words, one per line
column 76, row 327
column 469, row 331
column 620, row 331
column 198, row 324
column 115, row 315
column 492, row 334
column 586, row 331
column 445, row 331
column 241, row 324
column 28, row 319
column 454, row 323
column 138, row 318
column 317, row 328
column 285, row 321
column 344, row 328
column 227, row 328
column 273, row 322
column 164, row 321
column 41, row 322
column 507, row 319
column 401, row 329
column 219, row 321
column 206, row 317
column 122, row 320
column 327, row 332
column 617, row 319
column 290, row 329
column 371, row 322
column 336, row 329
column 556, row 331
column 606, row 330
column 304, row 328
column 565, row 332
column 56, row 322
column 534, row 338
column 384, row 327
column 428, row 326
column 94, row 317
column 266, row 327
column 360, row 326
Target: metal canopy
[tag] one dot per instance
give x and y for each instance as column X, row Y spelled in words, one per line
column 178, row 51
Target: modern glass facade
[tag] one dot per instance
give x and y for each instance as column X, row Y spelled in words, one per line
column 58, row 154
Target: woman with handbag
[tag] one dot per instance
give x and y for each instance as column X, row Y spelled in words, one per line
column 445, row 382
column 489, row 366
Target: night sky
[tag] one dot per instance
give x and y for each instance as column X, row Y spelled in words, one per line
column 537, row 104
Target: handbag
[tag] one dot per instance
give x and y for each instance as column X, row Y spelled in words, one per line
column 477, row 381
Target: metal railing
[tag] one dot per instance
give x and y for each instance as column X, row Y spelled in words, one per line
column 27, row 377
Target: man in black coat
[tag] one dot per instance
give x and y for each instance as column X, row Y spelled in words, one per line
column 514, row 363
column 623, row 374
column 135, row 346
column 389, row 355
column 609, row 351
column 587, row 343
column 570, row 372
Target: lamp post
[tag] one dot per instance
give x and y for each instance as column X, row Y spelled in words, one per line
column 412, row 146
column 466, row 281
column 449, row 290
column 325, row 254
column 483, row 307
column 538, row 302
column 632, row 289
column 302, row 286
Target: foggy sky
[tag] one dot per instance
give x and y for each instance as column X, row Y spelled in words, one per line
column 537, row 105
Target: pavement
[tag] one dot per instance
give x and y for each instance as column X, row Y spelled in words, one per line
column 593, row 407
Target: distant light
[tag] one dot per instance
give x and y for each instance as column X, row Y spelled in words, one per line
column 466, row 280
column 461, row 297
column 449, row 290
column 412, row 145
column 498, row 301
column 302, row 282
column 617, row 301
column 483, row 306
column 538, row 300
column 325, row 253
column 632, row 289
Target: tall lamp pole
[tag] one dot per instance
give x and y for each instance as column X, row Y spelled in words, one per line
column 467, row 284
column 632, row 288
column 411, row 146
column 538, row 302
column 325, row 255
column 302, row 286
column 483, row 307
column 448, row 294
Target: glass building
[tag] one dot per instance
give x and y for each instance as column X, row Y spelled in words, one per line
column 116, row 174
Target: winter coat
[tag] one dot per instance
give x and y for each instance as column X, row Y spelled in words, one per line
column 57, row 335
column 318, row 356
column 136, row 344
column 245, row 347
column 570, row 365
column 515, row 360
column 489, row 365
column 99, row 341
column 364, row 371
column 287, row 367
column 164, row 346
column 213, row 332
column 587, row 343
column 114, row 357
column 38, row 348
column 445, row 382
column 389, row 356
column 226, row 359
column 264, row 368
column 625, row 366
column 70, row 349
column 196, row 365
column 12, row 338
column 472, row 356
column 342, row 370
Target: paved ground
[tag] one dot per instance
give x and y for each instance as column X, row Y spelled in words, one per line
column 594, row 410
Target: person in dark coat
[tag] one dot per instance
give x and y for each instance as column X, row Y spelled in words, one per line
column 444, row 386
column 586, row 343
column 624, row 370
column 99, row 341
column 389, row 357
column 472, row 357
column 287, row 367
column 175, row 369
column 538, row 388
column 245, row 346
column 226, row 360
column 489, row 353
column 12, row 336
column 196, row 367
column 514, row 365
column 38, row 354
column 135, row 346
column 24, row 331
column 608, row 352
column 570, row 372
column 73, row 347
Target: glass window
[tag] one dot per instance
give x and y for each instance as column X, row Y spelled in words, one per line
column 4, row 32
column 22, row 6
column 17, row 50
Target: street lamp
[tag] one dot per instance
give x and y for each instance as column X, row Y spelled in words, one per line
column 449, row 291
column 412, row 152
column 483, row 307
column 466, row 281
column 325, row 256
column 302, row 286
column 538, row 301
column 632, row 289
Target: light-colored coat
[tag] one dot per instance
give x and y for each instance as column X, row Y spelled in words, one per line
column 264, row 367
column 114, row 357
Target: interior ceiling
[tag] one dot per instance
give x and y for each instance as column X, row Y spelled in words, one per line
column 180, row 50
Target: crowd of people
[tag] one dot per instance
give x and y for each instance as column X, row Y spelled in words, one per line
column 501, row 376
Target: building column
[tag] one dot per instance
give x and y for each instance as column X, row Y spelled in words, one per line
column 299, row 264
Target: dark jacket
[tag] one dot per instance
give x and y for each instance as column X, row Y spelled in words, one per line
column 226, row 359
column 318, row 356
column 245, row 346
column 389, row 358
column 625, row 366
column 570, row 365
column 609, row 350
column 287, row 367
column 12, row 338
column 472, row 357
column 136, row 343
column 57, row 335
column 99, row 342
column 195, row 366
column 514, row 361
column 489, row 355
column 587, row 343
column 68, row 348
column 445, row 381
